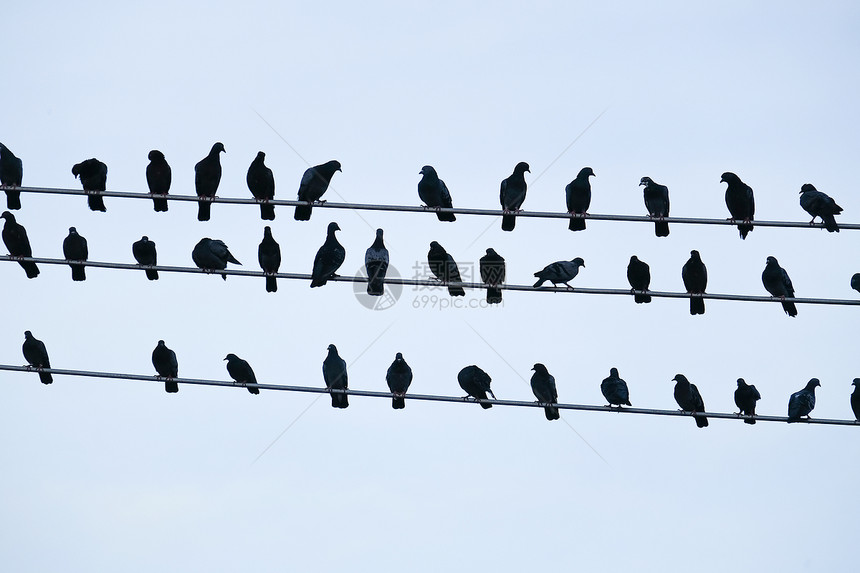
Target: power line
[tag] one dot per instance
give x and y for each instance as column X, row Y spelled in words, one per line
column 420, row 209
column 435, row 283
column 422, row 397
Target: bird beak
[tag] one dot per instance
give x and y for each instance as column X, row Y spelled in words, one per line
column 641, row 183
column 722, row 180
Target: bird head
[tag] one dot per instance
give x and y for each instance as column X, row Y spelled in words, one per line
column 540, row 368
column 231, row 357
column 427, row 170
column 807, row 187
column 729, row 177
column 586, row 172
column 28, row 334
column 8, row 216
column 332, row 348
column 578, row 261
column 398, row 356
column 154, row 154
column 741, row 382
column 680, row 378
column 218, row 148
column 521, row 167
column 260, row 155
column 161, row 343
column 73, row 231
column 772, row 261
column 379, row 233
column 645, row 181
column 694, row 254
column 613, row 372
column 332, row 227
column 813, row 383
column 856, row 381
column 144, row 238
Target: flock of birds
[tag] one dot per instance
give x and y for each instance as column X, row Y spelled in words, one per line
column 472, row 379
column 213, row 255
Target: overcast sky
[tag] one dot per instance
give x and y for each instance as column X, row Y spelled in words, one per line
column 118, row 475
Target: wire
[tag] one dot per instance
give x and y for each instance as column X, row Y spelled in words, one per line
column 420, row 209
column 436, row 283
column 423, row 397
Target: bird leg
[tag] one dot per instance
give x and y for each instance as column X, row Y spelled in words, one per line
column 317, row 202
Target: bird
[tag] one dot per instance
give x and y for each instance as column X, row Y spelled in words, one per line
column 802, row 402
column 695, row 277
column 93, row 176
column 212, row 255
column 269, row 257
column 578, row 196
column 855, row 399
column 165, row 363
column 434, row 193
column 559, row 272
column 36, row 356
column 740, row 201
column 615, row 390
column 746, row 396
column 639, row 277
column 492, row 267
column 376, row 265
column 819, row 204
column 543, row 387
column 11, row 174
column 334, row 375
column 75, row 249
column 444, row 267
column 688, row 398
column 657, row 202
column 15, row 237
column 398, row 377
column 313, row 185
column 261, row 183
column 476, row 383
column 240, row 371
column 144, row 253
column 207, row 176
column 512, row 195
column 855, row 281
column 777, row 283
column 330, row 257
column 158, row 177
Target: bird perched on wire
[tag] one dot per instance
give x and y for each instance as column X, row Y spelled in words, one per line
column 855, row 281
column 269, row 257
column 512, row 195
column 559, row 272
column 329, row 258
column 313, row 185
column 688, row 398
column 334, row 375
column 444, row 267
column 165, row 363
column 855, row 399
column 376, row 265
column 657, row 202
column 11, row 174
column 801, row 403
column 639, row 277
column 145, row 254
column 740, row 201
column 158, row 177
column 492, row 268
column 36, row 356
column 695, row 277
column 261, row 183
column 746, row 396
column 93, row 176
column 207, row 177
column 819, row 204
column 615, row 389
column 777, row 283
column 476, row 383
column 75, row 249
column 212, row 255
column 240, row 371
column 544, row 389
column 398, row 377
column 578, row 196
column 434, row 193
column 16, row 241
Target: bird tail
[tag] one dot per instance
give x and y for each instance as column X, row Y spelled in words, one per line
column 159, row 204
column 318, row 281
column 152, row 274
column 829, row 223
column 253, row 390
column 445, row 216
column 271, row 284
column 551, row 413
column 456, row 290
column 96, row 202
column 171, row 387
column 661, row 229
column 576, row 224
column 13, row 199
column 486, row 406
column 539, row 282
column 494, row 295
column 398, row 402
column 45, row 377
column 203, row 210
column 701, row 421
column 697, row 305
column 375, row 286
column 750, row 420
column 640, row 298
column 30, row 268
column 339, row 400
column 789, row 308
column 303, row 212
column 79, row 272
column 267, row 211
column 744, row 230
column 509, row 222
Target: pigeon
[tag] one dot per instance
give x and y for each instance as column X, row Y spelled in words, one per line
column 11, row 173
column 819, row 204
column 578, row 196
column 657, row 203
column 444, row 268
column 695, row 277
column 777, row 283
column 512, row 195
column 212, row 255
column 615, row 390
column 75, row 249
column 93, row 176
column 314, row 184
column 376, row 265
column 329, row 258
column 855, row 281
column 334, row 374
column 559, row 272
column 855, row 399
column 492, row 267
column 398, row 377
column 240, row 371
column 15, row 238
column 543, row 386
column 207, row 176
column 688, row 398
column 434, row 193
column 165, row 363
column 36, row 356
column 476, row 383
column 639, row 277
column 261, row 182
column 144, row 253
column 745, row 398
column 269, row 256
column 740, row 201
column 801, row 403
column 158, row 177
